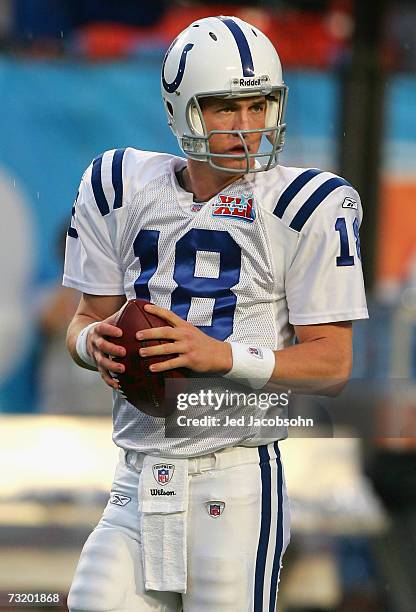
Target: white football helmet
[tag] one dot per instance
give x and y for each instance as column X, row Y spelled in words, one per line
column 223, row 57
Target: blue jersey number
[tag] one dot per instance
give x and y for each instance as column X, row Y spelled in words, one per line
column 145, row 248
column 190, row 286
column 345, row 258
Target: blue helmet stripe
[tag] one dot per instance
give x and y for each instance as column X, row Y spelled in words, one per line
column 292, row 190
column 242, row 44
column 314, row 200
column 266, row 514
column 97, row 186
column 117, row 177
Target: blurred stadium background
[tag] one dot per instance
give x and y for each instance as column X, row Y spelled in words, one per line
column 78, row 77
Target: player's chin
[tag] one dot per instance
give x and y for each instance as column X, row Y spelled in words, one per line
column 239, row 165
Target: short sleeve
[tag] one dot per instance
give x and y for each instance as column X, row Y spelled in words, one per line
column 324, row 282
column 91, row 262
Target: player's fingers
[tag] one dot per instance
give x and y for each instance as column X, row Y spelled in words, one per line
column 170, row 364
column 106, row 363
column 109, row 348
column 106, row 329
column 158, row 333
column 167, row 348
column 107, row 378
column 167, row 315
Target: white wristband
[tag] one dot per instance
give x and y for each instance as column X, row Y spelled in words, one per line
column 81, row 346
column 252, row 365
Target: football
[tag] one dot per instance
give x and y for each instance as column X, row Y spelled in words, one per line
column 144, row 389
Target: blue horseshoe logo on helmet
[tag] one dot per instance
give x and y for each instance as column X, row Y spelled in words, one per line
column 171, row 87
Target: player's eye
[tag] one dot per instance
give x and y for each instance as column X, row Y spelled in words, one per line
column 258, row 108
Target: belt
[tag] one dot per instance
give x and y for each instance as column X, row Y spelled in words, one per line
column 223, row 459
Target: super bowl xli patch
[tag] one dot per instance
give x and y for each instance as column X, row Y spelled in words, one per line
column 163, row 472
column 235, row 207
column 119, row 500
column 215, row 508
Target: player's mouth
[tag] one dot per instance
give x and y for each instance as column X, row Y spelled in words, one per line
column 238, row 150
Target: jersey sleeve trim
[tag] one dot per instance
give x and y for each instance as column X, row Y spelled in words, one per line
column 303, row 196
column 332, row 317
column 292, row 190
column 314, row 200
column 117, row 177
column 97, row 186
column 107, row 180
column 72, row 232
column 92, row 289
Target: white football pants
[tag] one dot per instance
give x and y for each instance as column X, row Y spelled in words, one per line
column 234, row 550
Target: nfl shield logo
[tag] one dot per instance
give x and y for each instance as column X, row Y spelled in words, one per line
column 196, row 207
column 163, row 472
column 215, row 508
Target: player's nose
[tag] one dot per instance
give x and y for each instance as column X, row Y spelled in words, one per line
column 242, row 120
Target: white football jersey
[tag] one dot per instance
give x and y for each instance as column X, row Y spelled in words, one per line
column 272, row 250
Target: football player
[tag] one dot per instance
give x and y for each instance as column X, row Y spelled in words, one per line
column 240, row 256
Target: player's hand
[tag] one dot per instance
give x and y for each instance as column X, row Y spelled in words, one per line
column 193, row 349
column 100, row 347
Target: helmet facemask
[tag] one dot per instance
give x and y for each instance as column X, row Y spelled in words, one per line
column 197, row 146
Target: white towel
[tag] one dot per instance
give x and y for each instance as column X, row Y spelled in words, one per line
column 163, row 505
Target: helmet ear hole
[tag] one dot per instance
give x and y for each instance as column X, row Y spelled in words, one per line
column 195, row 120
column 272, row 110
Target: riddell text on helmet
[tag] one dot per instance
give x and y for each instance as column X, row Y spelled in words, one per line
column 244, row 82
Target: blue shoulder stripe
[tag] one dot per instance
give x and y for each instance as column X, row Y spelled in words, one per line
column 117, row 177
column 71, row 230
column 97, row 186
column 314, row 200
column 266, row 513
column 292, row 190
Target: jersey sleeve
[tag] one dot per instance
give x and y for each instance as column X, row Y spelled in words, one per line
column 324, row 281
column 91, row 262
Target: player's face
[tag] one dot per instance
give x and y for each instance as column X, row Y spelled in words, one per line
column 240, row 114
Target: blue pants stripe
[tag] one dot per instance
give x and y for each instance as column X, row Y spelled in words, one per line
column 265, row 472
column 279, row 533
